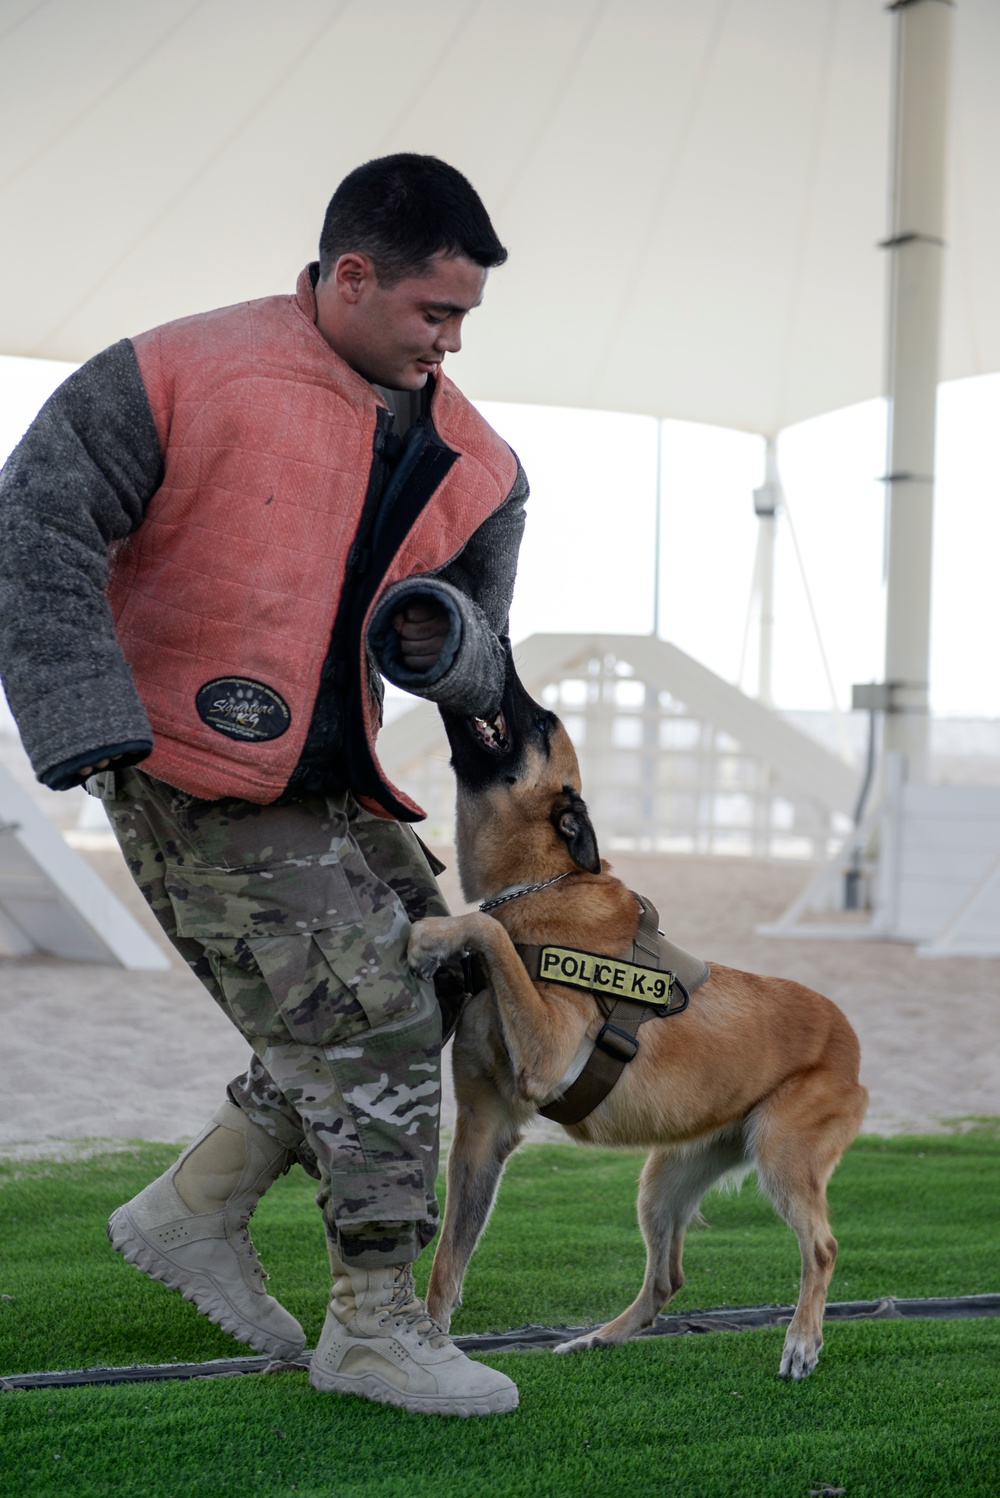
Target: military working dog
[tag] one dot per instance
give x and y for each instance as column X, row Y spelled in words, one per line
column 752, row 1073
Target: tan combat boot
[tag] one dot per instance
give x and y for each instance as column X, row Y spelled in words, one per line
column 189, row 1229
column 379, row 1341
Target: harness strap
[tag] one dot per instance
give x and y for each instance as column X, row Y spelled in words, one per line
column 637, row 994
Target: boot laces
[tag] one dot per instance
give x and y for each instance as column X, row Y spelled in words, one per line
column 246, row 1242
column 406, row 1310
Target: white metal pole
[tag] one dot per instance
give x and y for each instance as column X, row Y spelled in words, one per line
column 657, row 528
column 766, row 500
column 916, row 249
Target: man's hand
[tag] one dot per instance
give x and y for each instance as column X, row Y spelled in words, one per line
column 422, row 629
column 101, row 764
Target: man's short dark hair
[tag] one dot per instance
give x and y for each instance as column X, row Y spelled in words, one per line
column 403, row 210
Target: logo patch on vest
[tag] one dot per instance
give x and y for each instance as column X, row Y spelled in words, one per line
column 243, row 709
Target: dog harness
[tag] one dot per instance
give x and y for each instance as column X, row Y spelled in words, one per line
column 656, row 980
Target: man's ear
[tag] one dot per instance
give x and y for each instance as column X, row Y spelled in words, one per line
column 570, row 819
column 351, row 274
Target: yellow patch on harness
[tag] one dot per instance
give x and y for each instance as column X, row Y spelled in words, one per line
column 625, row 980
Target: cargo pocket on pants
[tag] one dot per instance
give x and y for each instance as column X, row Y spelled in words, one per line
column 379, row 978
column 267, row 933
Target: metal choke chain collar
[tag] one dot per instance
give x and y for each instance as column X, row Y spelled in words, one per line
column 525, row 889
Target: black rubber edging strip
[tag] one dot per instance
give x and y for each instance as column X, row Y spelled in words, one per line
column 533, row 1338
column 744, row 1319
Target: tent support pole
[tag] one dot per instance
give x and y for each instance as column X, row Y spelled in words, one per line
column 658, row 528
column 916, row 250
column 766, row 500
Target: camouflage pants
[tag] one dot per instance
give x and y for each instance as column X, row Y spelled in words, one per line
column 296, row 918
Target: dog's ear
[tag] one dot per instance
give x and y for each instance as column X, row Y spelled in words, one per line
column 570, row 819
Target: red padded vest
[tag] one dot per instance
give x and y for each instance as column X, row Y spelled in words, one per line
column 225, row 597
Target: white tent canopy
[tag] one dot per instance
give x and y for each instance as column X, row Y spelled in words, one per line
column 692, row 194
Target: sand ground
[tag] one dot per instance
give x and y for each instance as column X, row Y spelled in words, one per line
column 93, row 1052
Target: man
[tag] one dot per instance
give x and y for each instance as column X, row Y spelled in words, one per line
column 295, row 499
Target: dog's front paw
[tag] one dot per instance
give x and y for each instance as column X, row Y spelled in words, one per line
column 586, row 1343
column 432, row 941
column 799, row 1355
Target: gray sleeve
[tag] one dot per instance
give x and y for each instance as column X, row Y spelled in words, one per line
column 79, row 480
column 475, row 590
column 485, row 570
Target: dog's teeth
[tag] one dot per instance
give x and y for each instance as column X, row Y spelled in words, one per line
column 492, row 734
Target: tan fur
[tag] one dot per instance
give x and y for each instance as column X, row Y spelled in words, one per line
column 758, row 1073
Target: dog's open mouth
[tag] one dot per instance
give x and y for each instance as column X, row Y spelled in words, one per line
column 492, row 734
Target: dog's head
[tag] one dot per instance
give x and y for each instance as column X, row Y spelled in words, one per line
column 520, row 812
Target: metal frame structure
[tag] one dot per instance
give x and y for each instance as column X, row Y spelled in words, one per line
column 673, row 758
column 52, row 902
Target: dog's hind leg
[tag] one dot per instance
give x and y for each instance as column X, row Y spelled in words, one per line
column 797, row 1138
column 672, row 1184
column 485, row 1134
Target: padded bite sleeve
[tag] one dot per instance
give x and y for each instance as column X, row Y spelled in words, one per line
column 475, row 590
column 468, row 675
column 79, row 480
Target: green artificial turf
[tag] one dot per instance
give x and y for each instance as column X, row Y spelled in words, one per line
column 914, row 1217
column 907, row 1408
